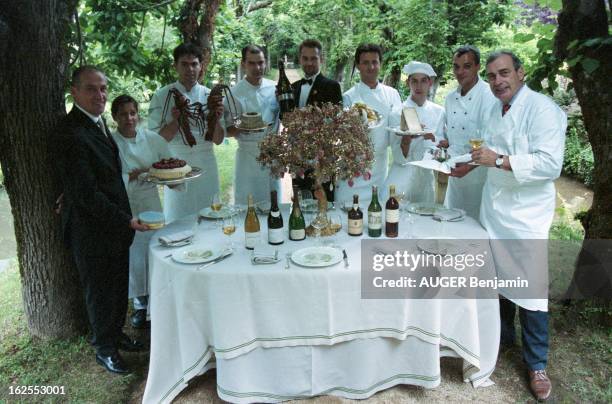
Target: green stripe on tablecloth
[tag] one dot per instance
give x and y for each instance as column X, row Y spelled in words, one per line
column 189, row 369
column 347, row 333
column 328, row 337
column 326, row 392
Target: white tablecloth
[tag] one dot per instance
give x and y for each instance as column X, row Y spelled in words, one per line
column 281, row 334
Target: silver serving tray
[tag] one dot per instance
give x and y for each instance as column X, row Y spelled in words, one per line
column 194, row 173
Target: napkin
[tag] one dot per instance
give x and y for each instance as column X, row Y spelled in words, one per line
column 176, row 237
column 445, row 167
column 264, row 254
column 448, row 214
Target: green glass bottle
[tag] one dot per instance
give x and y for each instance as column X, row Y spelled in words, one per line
column 297, row 224
column 374, row 215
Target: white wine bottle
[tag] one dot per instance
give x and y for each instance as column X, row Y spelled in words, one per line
column 276, row 234
column 251, row 226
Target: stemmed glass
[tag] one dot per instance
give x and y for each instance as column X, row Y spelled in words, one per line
column 335, row 224
column 215, row 206
column 476, row 141
column 229, row 228
column 319, row 223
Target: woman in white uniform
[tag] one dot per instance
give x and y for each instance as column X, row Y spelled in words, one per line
column 199, row 192
column 416, row 183
column 139, row 148
column 387, row 102
column 254, row 93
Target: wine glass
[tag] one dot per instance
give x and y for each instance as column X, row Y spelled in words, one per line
column 229, row 228
column 215, row 206
column 335, row 225
column 319, row 223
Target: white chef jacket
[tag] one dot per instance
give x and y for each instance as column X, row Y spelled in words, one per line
column 416, row 183
column 198, row 193
column 140, row 152
column 250, row 177
column 520, row 204
column 464, row 117
column 387, row 102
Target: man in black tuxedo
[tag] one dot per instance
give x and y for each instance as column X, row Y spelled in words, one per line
column 314, row 89
column 97, row 222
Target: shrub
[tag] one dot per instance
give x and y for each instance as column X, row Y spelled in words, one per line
column 578, row 157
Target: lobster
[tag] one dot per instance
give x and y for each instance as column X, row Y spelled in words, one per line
column 198, row 114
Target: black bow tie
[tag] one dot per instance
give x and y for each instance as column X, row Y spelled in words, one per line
column 307, row 81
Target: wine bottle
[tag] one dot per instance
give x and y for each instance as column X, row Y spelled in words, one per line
column 275, row 222
column 284, row 91
column 251, row 226
column 297, row 225
column 355, row 218
column 374, row 215
column 392, row 214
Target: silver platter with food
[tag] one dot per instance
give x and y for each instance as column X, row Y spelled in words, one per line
column 170, row 171
column 373, row 118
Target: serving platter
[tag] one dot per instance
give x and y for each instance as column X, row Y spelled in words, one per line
column 193, row 174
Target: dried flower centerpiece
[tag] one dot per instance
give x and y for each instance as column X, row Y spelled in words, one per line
column 326, row 139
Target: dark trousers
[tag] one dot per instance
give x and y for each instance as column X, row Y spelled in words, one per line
column 534, row 335
column 105, row 286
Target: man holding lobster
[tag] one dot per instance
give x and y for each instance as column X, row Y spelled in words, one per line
column 181, row 113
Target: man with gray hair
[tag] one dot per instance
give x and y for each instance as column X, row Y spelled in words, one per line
column 525, row 138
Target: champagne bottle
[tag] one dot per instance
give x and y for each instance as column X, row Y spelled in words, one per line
column 275, row 222
column 355, row 218
column 251, row 226
column 297, row 225
column 284, row 91
column 392, row 214
column 374, row 215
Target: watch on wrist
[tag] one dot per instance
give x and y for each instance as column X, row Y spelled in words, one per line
column 499, row 162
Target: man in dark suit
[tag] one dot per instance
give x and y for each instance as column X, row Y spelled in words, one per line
column 314, row 89
column 97, row 222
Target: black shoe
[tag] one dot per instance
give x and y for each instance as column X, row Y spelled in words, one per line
column 125, row 343
column 113, row 363
column 139, row 319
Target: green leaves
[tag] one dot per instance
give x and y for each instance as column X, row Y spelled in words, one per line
column 589, row 65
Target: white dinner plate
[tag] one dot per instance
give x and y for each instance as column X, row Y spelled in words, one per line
column 226, row 211
column 197, row 255
column 423, row 209
column 316, row 257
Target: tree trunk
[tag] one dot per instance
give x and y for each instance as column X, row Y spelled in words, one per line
column 32, row 77
column 339, row 71
column 394, row 77
column 580, row 21
column 199, row 32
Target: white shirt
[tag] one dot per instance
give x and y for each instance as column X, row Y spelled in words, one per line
column 305, row 90
column 198, row 93
column 250, row 98
column 432, row 116
column 140, row 152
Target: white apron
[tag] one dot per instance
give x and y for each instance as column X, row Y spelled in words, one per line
column 416, row 183
column 379, row 137
column 199, row 192
column 143, row 197
column 514, row 211
column 464, row 117
column 250, row 176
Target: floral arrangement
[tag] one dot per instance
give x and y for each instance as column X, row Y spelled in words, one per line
column 326, row 139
